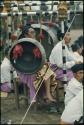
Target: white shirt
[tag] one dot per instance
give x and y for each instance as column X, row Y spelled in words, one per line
column 74, row 110
column 72, row 89
column 5, row 71
column 56, row 56
column 78, row 56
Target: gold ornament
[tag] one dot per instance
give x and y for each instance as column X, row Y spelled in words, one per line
column 62, row 9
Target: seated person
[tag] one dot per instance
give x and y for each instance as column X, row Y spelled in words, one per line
column 57, row 61
column 29, row 32
column 48, row 80
column 6, row 69
column 73, row 112
column 77, row 51
column 80, row 42
column 75, row 84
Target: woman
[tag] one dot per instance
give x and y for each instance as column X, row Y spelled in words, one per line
column 29, row 32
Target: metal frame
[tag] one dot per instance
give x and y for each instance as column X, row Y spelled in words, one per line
column 35, row 13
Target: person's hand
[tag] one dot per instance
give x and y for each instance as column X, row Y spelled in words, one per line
column 78, row 62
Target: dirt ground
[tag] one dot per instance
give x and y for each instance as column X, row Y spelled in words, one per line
column 40, row 116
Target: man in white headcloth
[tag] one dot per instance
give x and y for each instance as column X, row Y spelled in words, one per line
column 56, row 59
column 75, row 85
column 73, row 112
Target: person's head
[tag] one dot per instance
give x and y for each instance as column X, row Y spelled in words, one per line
column 67, row 38
column 80, row 50
column 79, row 41
column 31, row 33
column 28, row 32
column 78, row 71
column 77, row 48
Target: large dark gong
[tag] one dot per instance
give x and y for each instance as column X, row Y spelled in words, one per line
column 28, row 62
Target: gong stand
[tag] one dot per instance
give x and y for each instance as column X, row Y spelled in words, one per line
column 62, row 12
column 50, row 23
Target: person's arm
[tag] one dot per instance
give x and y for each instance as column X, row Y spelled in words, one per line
column 69, row 64
column 5, row 74
column 71, row 60
column 58, row 58
column 56, row 55
column 76, row 89
column 59, row 61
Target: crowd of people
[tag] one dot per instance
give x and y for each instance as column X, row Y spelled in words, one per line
column 74, row 66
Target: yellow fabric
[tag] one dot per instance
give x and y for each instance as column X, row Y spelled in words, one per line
column 43, row 74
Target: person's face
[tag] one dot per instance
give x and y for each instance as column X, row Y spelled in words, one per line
column 67, row 38
column 80, row 50
column 79, row 75
column 31, row 33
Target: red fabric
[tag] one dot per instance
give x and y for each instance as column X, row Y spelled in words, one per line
column 37, row 52
column 17, row 51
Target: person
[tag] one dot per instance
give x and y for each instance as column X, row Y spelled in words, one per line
column 29, row 32
column 77, row 48
column 48, row 80
column 77, row 51
column 79, row 41
column 75, row 84
column 73, row 112
column 57, row 62
column 6, row 68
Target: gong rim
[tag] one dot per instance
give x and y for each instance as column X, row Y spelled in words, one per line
column 38, row 45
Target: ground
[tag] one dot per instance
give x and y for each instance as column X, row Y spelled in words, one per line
column 41, row 116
